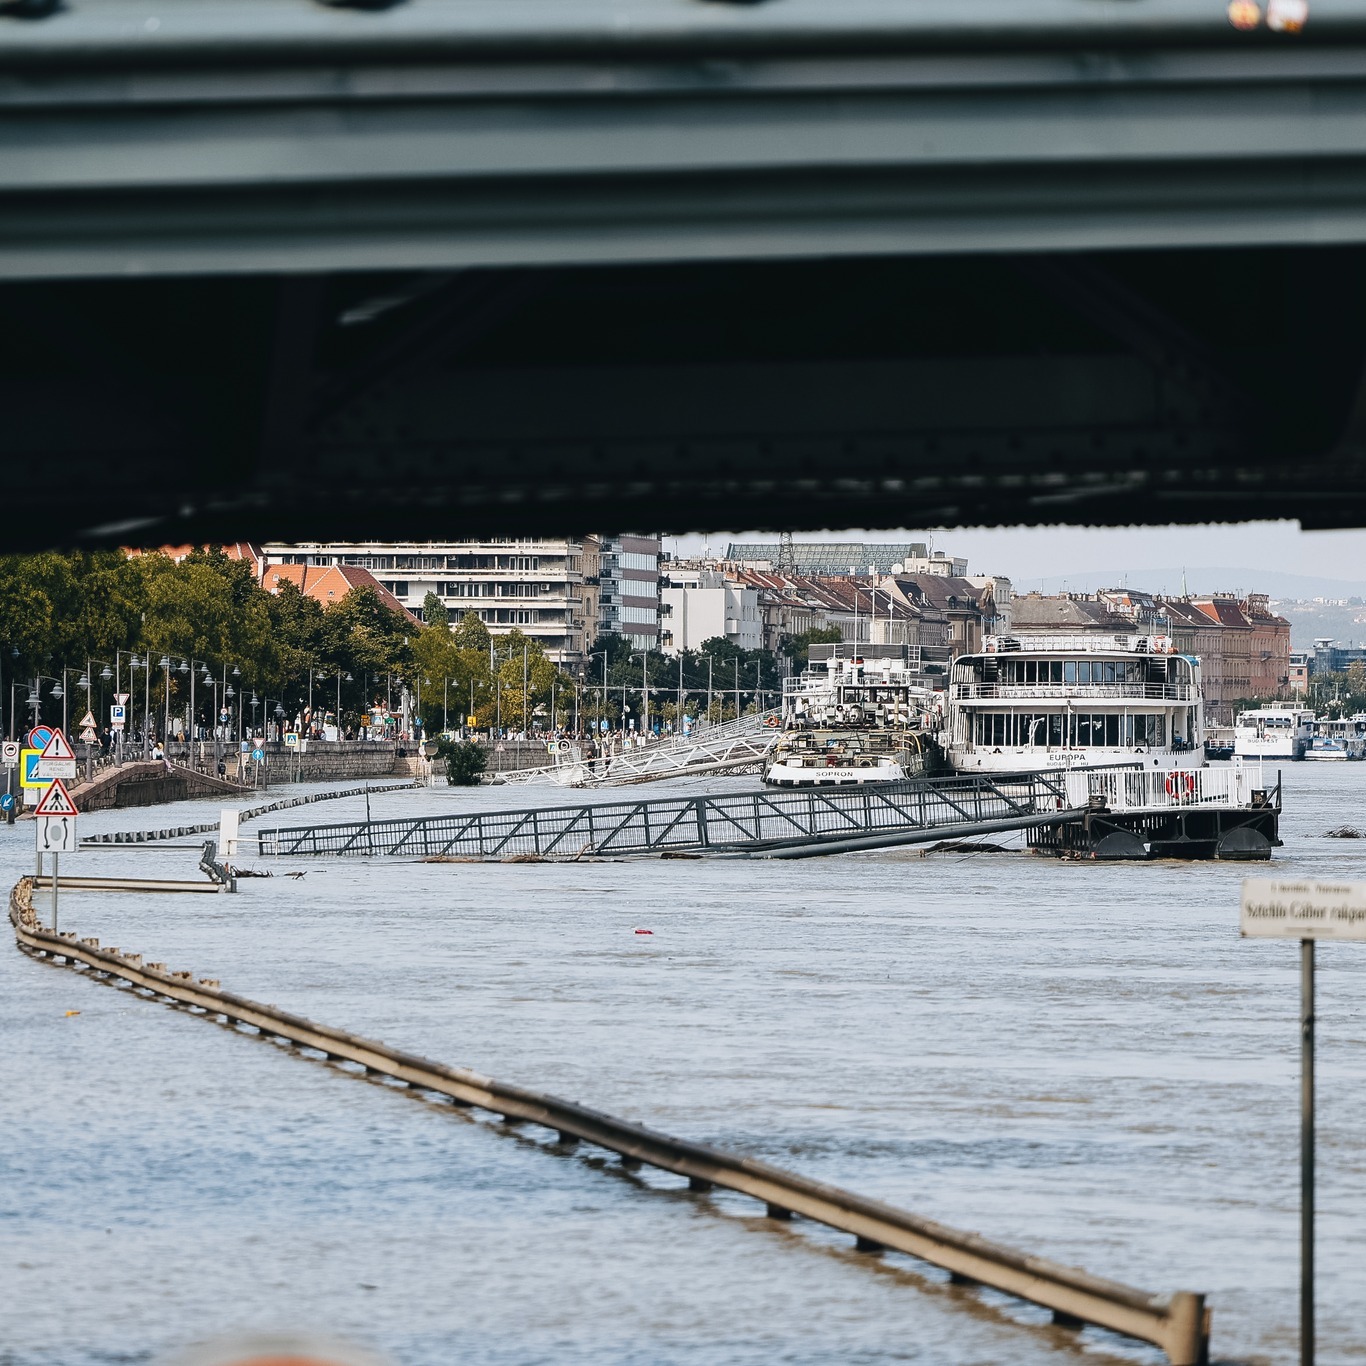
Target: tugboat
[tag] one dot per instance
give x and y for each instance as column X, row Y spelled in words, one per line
column 854, row 718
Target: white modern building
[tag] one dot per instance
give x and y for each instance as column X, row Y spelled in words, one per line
column 535, row 584
column 701, row 604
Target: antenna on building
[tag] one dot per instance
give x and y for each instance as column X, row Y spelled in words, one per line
column 787, row 554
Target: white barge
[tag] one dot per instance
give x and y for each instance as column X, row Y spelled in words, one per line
column 1047, row 702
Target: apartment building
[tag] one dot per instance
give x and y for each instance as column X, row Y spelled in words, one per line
column 533, row 584
column 704, row 604
column 628, row 589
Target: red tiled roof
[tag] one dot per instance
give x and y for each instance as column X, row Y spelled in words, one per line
column 331, row 583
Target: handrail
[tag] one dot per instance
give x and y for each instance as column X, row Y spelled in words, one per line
column 756, row 823
column 1067, row 692
column 1177, row 1323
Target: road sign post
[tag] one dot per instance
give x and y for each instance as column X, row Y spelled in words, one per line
column 1307, row 911
column 55, row 822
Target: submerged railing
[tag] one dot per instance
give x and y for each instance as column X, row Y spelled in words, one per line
column 768, row 822
column 1178, row 1323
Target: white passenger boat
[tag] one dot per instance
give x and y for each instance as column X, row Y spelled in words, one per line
column 1273, row 733
column 1338, row 739
column 1036, row 702
column 852, row 718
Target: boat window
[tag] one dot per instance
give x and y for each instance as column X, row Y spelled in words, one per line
column 1069, row 671
column 1111, row 671
column 1112, row 730
column 1055, row 730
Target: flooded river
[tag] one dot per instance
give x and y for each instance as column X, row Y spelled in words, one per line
column 1080, row 1059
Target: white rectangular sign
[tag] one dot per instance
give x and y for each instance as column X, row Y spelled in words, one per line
column 56, row 834
column 1303, row 910
column 48, row 769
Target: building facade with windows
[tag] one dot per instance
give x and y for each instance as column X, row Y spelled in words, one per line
column 532, row 584
column 628, row 588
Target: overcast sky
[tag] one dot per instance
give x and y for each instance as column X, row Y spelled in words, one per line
column 1025, row 553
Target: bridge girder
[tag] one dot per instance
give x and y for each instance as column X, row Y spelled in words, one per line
column 285, row 271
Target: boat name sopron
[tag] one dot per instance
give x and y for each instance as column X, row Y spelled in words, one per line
column 1036, row 702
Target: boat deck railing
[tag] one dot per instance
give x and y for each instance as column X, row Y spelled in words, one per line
column 1136, row 789
column 1069, row 692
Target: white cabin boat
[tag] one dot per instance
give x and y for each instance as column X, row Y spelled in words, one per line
column 1038, row 702
column 1341, row 739
column 852, row 718
column 1273, row 733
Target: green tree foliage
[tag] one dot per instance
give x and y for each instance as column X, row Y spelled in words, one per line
column 471, row 633
column 62, row 610
column 798, row 648
column 434, row 611
column 465, row 761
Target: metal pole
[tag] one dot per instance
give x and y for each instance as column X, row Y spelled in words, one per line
column 1306, row 1152
column 54, row 889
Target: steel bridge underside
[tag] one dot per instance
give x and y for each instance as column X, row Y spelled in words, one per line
column 278, row 270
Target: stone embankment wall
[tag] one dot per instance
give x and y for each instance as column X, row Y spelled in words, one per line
column 516, row 754
column 147, row 784
column 322, row 761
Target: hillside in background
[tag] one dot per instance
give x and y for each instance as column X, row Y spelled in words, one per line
column 1300, row 587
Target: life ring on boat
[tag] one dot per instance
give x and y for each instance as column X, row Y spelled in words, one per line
column 773, row 721
column 1180, row 783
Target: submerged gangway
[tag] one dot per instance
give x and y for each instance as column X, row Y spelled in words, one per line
column 739, row 744
column 766, row 823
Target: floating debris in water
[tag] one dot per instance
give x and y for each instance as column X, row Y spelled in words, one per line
column 643, row 931
column 1345, row 832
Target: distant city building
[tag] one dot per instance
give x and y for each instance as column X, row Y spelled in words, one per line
column 821, row 559
column 533, row 584
column 1331, row 658
column 1299, row 671
column 628, row 589
column 703, row 604
column 933, row 615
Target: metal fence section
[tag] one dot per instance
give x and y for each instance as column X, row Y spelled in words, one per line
column 1177, row 1323
column 767, row 822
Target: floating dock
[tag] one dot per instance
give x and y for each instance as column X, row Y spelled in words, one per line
column 1201, row 813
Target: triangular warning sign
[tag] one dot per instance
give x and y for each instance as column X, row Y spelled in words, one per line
column 120, row 698
column 88, row 721
column 56, row 801
column 58, row 748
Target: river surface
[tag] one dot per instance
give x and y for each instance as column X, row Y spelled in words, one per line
column 1081, row 1059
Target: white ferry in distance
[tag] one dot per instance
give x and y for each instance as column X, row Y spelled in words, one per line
column 1342, row 739
column 1034, row 702
column 857, row 715
column 1273, row 733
